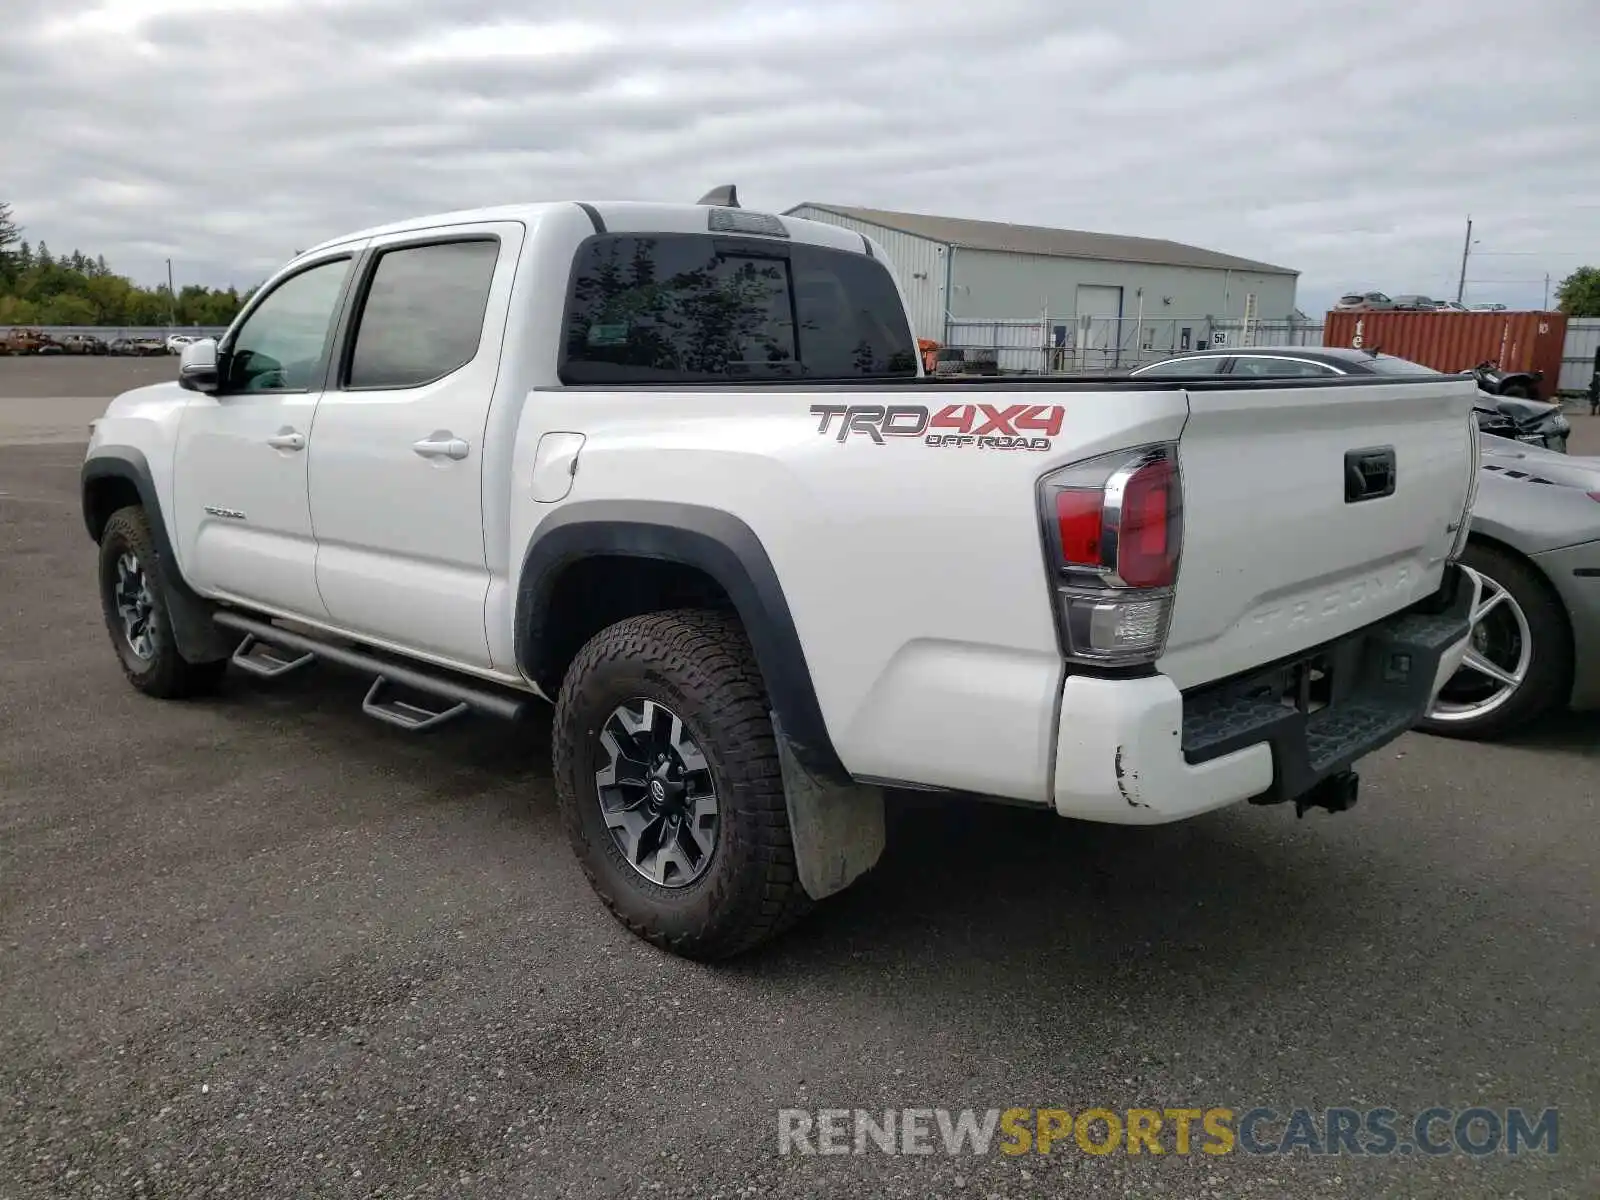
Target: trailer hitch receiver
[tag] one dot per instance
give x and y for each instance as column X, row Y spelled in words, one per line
column 1335, row 793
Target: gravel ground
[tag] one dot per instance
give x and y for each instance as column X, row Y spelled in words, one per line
column 263, row 946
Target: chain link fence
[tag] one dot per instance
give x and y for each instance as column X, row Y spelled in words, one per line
column 1094, row 345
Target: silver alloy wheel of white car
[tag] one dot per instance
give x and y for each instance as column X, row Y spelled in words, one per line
column 1497, row 660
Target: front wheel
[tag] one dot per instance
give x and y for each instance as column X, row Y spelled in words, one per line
column 1519, row 663
column 134, row 602
column 666, row 769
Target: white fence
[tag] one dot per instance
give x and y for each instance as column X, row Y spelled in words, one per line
column 1577, row 355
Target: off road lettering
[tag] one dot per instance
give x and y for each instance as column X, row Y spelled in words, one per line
column 980, row 426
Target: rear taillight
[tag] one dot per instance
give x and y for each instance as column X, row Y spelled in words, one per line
column 1114, row 530
column 1147, row 548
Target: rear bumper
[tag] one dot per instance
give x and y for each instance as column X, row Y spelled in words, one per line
column 1140, row 752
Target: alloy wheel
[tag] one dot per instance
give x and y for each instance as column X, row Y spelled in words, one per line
column 656, row 793
column 135, row 605
column 1497, row 660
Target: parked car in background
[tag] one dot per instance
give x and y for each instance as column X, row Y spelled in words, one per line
column 1488, row 308
column 1505, row 415
column 1416, row 303
column 1282, row 362
column 1531, row 422
column 82, row 343
column 30, row 341
column 147, row 346
column 177, row 341
column 1535, row 542
column 1450, row 306
column 1364, row 302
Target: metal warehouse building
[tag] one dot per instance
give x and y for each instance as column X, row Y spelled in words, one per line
column 1024, row 288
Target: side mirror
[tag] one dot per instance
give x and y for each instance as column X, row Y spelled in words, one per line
column 198, row 368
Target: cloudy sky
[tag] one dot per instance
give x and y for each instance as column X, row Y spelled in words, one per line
column 1347, row 140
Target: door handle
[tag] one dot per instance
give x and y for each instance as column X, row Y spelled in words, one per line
column 441, row 445
column 287, row 439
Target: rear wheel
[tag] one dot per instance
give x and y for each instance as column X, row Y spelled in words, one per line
column 133, row 600
column 667, row 773
column 1519, row 664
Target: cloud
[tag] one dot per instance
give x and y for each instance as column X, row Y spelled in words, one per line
column 1346, row 140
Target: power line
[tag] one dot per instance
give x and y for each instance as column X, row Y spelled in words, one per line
column 1537, row 253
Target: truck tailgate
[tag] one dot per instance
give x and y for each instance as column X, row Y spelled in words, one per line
column 1311, row 511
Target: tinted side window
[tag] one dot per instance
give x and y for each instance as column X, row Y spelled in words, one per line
column 1279, row 368
column 1184, row 367
column 279, row 346
column 422, row 317
column 1385, row 364
column 687, row 307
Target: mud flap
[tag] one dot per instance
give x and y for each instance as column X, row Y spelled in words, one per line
column 199, row 640
column 838, row 831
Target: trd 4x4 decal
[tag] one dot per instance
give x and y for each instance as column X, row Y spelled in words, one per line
column 986, row 426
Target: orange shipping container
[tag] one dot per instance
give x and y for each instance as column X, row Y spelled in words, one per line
column 1458, row 341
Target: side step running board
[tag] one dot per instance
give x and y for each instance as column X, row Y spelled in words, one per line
column 460, row 695
column 413, row 718
column 260, row 658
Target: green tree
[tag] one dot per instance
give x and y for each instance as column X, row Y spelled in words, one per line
column 1579, row 293
column 10, row 231
column 17, row 312
column 67, row 310
column 82, row 289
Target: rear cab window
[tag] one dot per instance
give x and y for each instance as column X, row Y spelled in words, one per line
column 703, row 308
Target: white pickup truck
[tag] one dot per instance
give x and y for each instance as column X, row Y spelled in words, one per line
column 676, row 469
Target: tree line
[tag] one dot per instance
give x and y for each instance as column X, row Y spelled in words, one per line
column 41, row 288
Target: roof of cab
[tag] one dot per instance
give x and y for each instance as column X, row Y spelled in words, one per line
column 619, row 216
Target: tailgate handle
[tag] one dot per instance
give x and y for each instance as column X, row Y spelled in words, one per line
column 1368, row 474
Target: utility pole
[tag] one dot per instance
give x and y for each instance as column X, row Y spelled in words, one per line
column 1547, row 291
column 1466, row 248
column 172, row 300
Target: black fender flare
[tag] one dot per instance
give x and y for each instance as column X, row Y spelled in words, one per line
column 199, row 640
column 710, row 540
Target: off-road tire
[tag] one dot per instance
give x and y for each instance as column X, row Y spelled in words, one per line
column 699, row 664
column 1548, row 682
column 166, row 674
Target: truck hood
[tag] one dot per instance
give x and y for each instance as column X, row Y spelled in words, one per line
column 138, row 401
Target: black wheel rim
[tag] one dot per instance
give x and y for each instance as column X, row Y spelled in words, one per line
column 657, row 797
column 130, row 594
